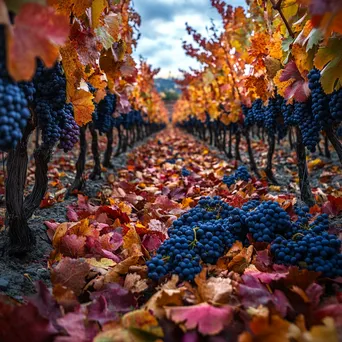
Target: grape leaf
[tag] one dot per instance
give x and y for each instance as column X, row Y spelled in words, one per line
column 83, row 105
column 71, row 273
column 38, row 31
column 17, row 323
column 329, row 60
column 208, row 319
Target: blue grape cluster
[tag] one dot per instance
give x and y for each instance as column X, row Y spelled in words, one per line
column 288, row 114
column 241, row 173
column 207, row 231
column 14, row 112
column 201, row 234
column 335, row 105
column 319, row 100
column 185, row 172
column 55, row 116
column 104, row 121
column 308, row 126
column 248, row 115
column 69, row 128
column 270, row 115
column 258, row 112
column 250, row 205
column 267, row 221
column 29, row 90
column 310, row 247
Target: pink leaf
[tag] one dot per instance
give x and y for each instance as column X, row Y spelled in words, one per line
column 73, row 245
column 209, row 320
column 151, row 242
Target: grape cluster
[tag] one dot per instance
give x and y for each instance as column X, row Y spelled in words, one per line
column 318, row 252
column 202, row 234
column 69, row 129
column 290, row 119
column 268, row 220
column 258, row 110
column 270, row 114
column 248, row 114
column 13, row 114
column 55, row 116
column 105, row 109
column 250, row 205
column 308, row 126
column 319, row 100
column 185, row 172
column 241, row 173
column 14, row 111
column 335, row 105
column 208, row 230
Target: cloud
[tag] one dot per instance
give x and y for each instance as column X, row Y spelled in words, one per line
column 163, row 29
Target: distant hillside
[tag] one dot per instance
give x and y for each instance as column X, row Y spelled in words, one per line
column 167, row 88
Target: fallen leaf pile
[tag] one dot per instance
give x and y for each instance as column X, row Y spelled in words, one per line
column 100, row 289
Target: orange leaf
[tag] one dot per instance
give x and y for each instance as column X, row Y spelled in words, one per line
column 83, row 105
column 72, row 66
column 37, row 32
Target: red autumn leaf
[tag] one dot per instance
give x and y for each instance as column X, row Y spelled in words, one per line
column 314, row 293
column 151, row 242
column 45, row 303
column 299, row 89
column 94, row 247
column 208, row 319
column 75, row 325
column 267, row 277
column 71, row 273
column 73, row 245
column 332, row 310
column 333, row 206
column 19, row 323
column 253, row 294
column 109, row 303
column 113, row 213
column 84, row 41
column 37, row 32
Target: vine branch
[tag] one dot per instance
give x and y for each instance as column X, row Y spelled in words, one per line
column 277, row 7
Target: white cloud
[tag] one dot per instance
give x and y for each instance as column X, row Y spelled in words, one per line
column 163, row 30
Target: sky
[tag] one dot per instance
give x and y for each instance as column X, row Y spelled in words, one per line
column 163, row 30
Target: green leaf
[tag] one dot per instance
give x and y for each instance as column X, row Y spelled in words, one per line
column 314, row 38
column 286, row 43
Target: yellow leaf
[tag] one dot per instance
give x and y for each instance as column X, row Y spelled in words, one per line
column 103, row 263
column 59, row 233
column 97, row 8
column 143, row 321
column 83, row 105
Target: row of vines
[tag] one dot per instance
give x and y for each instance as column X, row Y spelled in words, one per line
column 272, row 69
column 66, row 67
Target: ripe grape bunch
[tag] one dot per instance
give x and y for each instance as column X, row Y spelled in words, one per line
column 14, row 112
column 55, row 116
column 200, row 234
column 241, row 173
column 104, row 120
column 335, row 105
column 319, row 101
column 308, row 126
column 206, row 232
